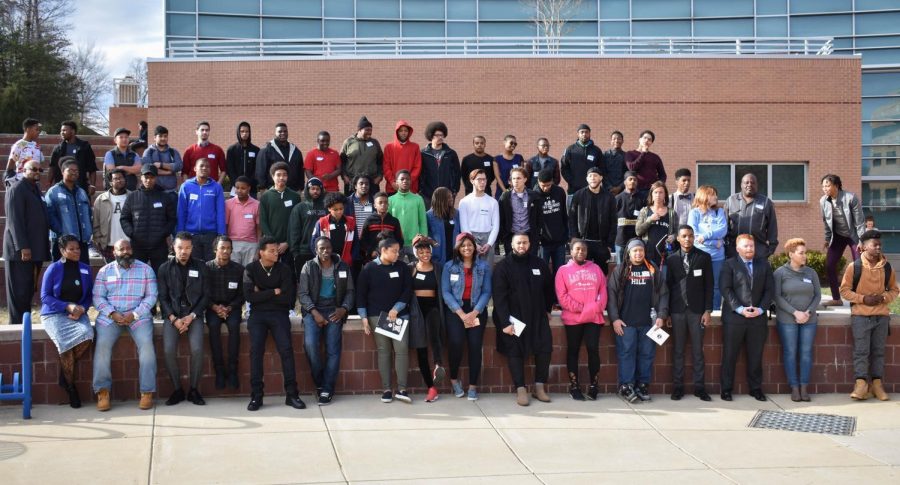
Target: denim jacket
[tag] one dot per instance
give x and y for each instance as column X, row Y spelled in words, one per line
column 69, row 213
column 453, row 284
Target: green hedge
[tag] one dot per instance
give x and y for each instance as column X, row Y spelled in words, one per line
column 814, row 259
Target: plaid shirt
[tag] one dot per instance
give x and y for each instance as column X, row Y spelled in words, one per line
column 122, row 290
column 225, row 286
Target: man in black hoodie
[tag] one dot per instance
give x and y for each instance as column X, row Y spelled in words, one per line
column 303, row 219
column 440, row 163
column 578, row 158
column 554, row 219
column 280, row 149
column 240, row 158
column 148, row 219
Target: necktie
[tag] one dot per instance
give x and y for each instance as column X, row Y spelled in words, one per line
column 750, row 271
column 687, row 265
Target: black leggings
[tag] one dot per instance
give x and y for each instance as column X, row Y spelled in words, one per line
column 589, row 333
column 433, row 329
column 457, row 334
column 541, row 369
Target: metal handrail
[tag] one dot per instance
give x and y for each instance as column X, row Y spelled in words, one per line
column 499, row 47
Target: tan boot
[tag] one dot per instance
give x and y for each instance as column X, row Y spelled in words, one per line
column 878, row 390
column 146, row 401
column 103, row 400
column 539, row 393
column 860, row 390
column 522, row 396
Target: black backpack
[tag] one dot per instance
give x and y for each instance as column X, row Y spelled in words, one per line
column 857, row 274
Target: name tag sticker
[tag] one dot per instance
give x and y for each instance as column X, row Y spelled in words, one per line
column 342, row 274
column 111, row 279
column 251, row 154
column 332, row 226
column 590, row 157
column 288, row 203
column 452, row 223
column 367, row 208
column 535, row 174
column 60, row 195
column 85, row 271
column 759, row 206
column 232, row 285
column 487, row 164
column 515, row 165
column 536, row 272
column 698, row 272
column 394, row 274
column 637, row 213
column 807, row 280
column 193, row 273
column 319, row 159
column 157, row 205
column 483, row 212
column 194, row 197
column 369, row 144
column 248, row 216
column 420, row 276
column 454, row 277
column 211, row 156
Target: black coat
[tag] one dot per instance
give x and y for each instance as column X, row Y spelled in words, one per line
column 310, row 282
column 575, row 163
column 534, row 216
column 688, row 290
column 434, row 176
column 171, row 286
column 84, row 155
column 27, row 224
column 148, row 217
column 523, row 287
column 239, row 161
column 581, row 211
column 270, row 155
column 734, row 284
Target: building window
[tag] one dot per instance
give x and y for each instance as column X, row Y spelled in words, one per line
column 780, row 181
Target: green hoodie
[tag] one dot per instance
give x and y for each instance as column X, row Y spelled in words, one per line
column 409, row 209
column 275, row 212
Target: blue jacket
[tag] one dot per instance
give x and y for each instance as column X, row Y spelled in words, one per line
column 436, row 232
column 453, row 283
column 52, row 285
column 69, row 212
column 201, row 208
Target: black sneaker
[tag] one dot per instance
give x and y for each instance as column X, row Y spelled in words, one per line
column 256, row 402
column 195, row 397
column 387, row 396
column 677, row 394
column 593, row 392
column 294, row 401
column 324, row 398
column 626, row 392
column 575, row 392
column 176, row 397
column 403, row 396
column 642, row 392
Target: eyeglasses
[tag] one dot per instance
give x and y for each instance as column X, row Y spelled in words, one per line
column 38, row 170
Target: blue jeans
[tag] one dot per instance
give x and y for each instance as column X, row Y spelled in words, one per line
column 620, row 253
column 107, row 335
column 717, row 296
column 797, row 339
column 326, row 376
column 554, row 255
column 635, row 352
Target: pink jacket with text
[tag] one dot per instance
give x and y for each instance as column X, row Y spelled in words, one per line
column 581, row 291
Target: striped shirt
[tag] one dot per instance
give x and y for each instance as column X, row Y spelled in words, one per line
column 122, row 290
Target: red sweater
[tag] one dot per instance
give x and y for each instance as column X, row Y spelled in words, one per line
column 211, row 152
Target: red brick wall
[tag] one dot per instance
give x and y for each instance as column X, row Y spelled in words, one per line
column 725, row 109
column 832, row 369
column 127, row 117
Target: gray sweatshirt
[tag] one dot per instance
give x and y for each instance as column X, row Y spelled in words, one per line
column 796, row 291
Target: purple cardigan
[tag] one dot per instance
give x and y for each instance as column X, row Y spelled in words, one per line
column 52, row 285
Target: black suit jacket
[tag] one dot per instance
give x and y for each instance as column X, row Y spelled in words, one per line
column 170, row 286
column 534, row 215
column 690, row 290
column 27, row 226
column 734, row 284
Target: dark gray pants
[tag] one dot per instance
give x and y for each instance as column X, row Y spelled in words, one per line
column 20, row 278
column 687, row 325
column 869, row 337
column 170, row 347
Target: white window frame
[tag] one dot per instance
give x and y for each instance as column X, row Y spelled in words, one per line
column 768, row 165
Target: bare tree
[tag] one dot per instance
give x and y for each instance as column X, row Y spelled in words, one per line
column 138, row 70
column 36, row 20
column 551, row 17
column 87, row 65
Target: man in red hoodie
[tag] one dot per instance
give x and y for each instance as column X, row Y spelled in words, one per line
column 402, row 154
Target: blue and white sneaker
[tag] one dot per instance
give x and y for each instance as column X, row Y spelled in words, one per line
column 473, row 394
column 457, row 389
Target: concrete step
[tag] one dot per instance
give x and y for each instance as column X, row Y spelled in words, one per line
column 53, row 139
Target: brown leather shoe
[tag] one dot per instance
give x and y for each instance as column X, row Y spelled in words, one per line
column 103, row 400
column 860, row 390
column 146, row 401
column 833, row 303
column 522, row 396
column 539, row 393
column 878, row 390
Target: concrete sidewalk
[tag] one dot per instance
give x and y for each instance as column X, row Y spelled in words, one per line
column 358, row 439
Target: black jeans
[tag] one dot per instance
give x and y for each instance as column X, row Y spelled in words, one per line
column 457, row 335
column 155, row 257
column 203, row 246
column 517, row 369
column 589, row 333
column 734, row 336
column 687, row 325
column 433, row 326
column 259, row 325
column 20, row 278
column 599, row 254
column 233, row 322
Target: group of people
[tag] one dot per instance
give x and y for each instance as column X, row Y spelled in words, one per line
column 418, row 268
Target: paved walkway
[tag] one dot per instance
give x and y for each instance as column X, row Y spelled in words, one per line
column 359, row 439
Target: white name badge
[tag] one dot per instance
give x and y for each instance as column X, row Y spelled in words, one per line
column 332, row 226
column 232, row 285
column 349, row 236
column 248, row 216
column 420, row 276
column 194, row 197
column 319, row 159
column 698, row 272
column 807, row 280
column 157, row 205
column 454, row 277
column 535, row 174
column 85, row 271
column 367, row 208
column 342, row 274
column 483, row 212
column 515, row 165
column 637, row 213
column 251, row 154
column 369, row 144
column 394, row 274
column 536, row 272
column 487, row 164
column 60, row 195
column 211, row 156
column 288, row 203
column 759, row 206
column 452, row 223
column 590, row 158
column 193, row 273
column 111, row 279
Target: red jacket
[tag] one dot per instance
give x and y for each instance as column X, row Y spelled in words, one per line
column 323, row 228
column 402, row 156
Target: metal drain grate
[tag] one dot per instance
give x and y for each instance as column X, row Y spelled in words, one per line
column 805, row 423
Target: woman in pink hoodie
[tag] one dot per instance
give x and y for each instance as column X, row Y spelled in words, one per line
column 581, row 291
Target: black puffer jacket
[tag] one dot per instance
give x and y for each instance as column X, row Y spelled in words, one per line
column 148, row 217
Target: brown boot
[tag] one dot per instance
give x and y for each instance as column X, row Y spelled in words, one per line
column 522, row 396
column 860, row 390
column 878, row 390
column 795, row 394
column 539, row 393
column 146, row 401
column 103, row 400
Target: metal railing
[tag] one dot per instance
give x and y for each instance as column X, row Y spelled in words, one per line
column 500, row 47
column 127, row 91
